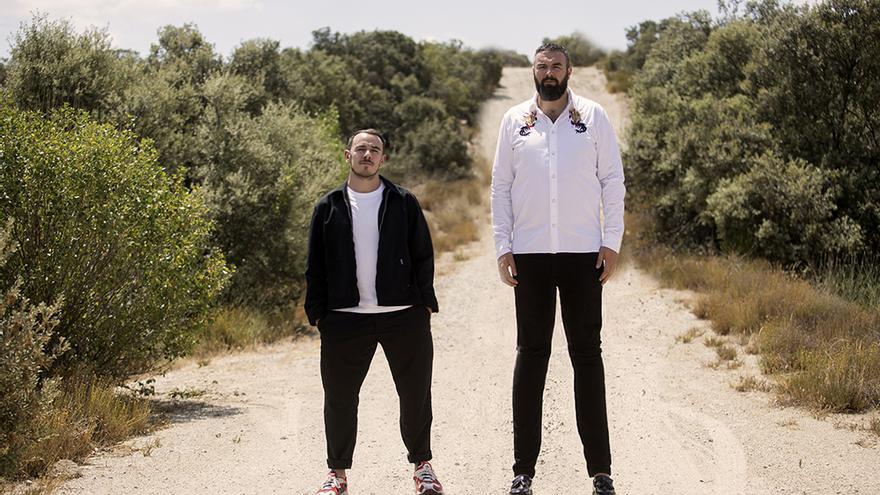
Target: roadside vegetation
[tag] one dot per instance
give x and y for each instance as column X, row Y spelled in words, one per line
column 156, row 206
column 752, row 168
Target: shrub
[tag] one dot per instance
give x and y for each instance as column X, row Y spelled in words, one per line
column 436, row 148
column 784, row 212
column 261, row 179
column 100, row 224
column 777, row 98
column 25, row 329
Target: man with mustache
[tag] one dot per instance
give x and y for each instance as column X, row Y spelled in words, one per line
column 557, row 170
column 370, row 275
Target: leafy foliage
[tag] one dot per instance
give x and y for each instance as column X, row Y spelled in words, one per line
column 98, row 223
column 25, row 329
column 52, row 65
column 756, row 132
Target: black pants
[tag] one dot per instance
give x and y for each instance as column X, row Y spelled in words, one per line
column 580, row 293
column 348, row 342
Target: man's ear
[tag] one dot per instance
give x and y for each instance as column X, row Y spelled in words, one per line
column 347, row 155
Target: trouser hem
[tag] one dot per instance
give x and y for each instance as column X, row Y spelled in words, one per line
column 420, row 457
column 340, row 463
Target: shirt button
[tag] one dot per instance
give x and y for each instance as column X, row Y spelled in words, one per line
column 553, row 176
column 554, row 200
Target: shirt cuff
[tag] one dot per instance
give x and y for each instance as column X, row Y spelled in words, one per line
column 502, row 249
column 612, row 243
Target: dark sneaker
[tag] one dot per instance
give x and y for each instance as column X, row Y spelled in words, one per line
column 603, row 485
column 426, row 481
column 522, row 485
column 334, row 485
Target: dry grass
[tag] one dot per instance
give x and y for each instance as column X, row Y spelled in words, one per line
column 452, row 210
column 827, row 347
column 80, row 414
column 239, row 328
column 751, row 383
column 843, row 377
column 690, row 335
column 789, row 423
column 726, row 352
column 874, row 426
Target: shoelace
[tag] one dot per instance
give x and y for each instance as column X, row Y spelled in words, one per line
column 426, row 474
column 520, row 482
column 333, row 482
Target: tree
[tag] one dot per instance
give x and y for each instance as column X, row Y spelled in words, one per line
column 259, row 61
column 51, row 65
column 186, row 52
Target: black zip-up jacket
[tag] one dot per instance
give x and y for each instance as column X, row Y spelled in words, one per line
column 405, row 266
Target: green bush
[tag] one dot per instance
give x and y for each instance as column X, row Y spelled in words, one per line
column 785, row 211
column 100, row 224
column 459, row 77
column 25, row 329
column 261, row 177
column 435, row 148
column 720, row 106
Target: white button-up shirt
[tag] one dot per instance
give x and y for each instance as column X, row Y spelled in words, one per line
column 552, row 182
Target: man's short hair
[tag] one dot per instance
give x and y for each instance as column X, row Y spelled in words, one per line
column 371, row 131
column 553, row 47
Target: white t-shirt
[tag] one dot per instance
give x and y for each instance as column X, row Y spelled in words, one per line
column 365, row 229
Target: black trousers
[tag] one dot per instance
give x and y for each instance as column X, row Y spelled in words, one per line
column 348, row 342
column 580, row 293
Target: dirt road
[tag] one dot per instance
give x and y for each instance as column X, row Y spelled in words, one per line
column 677, row 426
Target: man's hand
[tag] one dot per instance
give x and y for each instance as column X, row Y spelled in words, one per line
column 507, row 269
column 607, row 256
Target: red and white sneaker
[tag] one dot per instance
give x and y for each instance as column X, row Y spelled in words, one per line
column 426, row 481
column 334, row 485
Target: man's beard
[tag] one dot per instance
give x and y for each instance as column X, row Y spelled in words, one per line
column 554, row 92
column 362, row 175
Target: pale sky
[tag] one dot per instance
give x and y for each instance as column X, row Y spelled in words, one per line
column 514, row 24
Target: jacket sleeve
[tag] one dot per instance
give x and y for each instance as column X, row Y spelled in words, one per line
column 316, row 269
column 421, row 253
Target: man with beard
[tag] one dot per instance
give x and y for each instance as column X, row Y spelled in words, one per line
column 370, row 275
column 557, row 169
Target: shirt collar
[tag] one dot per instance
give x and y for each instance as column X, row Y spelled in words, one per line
column 533, row 104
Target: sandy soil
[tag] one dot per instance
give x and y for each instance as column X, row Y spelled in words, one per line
column 677, row 426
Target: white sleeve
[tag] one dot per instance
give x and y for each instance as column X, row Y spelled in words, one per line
column 610, row 173
column 502, row 181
